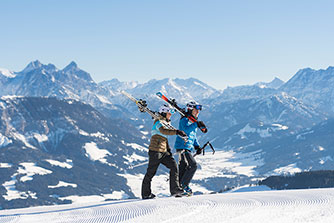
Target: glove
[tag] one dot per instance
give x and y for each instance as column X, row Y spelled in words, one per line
column 173, row 102
column 143, row 104
column 181, row 133
column 198, row 150
column 201, row 126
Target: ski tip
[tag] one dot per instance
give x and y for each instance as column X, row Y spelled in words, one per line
column 159, row 94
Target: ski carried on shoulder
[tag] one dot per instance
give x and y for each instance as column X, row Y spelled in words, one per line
column 155, row 115
column 173, row 103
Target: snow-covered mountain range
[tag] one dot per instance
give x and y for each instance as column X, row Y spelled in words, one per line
column 314, row 87
column 55, row 150
column 64, row 116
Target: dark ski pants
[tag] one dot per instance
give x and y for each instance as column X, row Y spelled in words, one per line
column 187, row 167
column 167, row 159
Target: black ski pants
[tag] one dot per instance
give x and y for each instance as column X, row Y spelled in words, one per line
column 167, row 159
column 187, row 167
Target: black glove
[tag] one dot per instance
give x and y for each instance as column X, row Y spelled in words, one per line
column 143, row 104
column 198, row 150
column 173, row 102
column 201, row 126
column 181, row 133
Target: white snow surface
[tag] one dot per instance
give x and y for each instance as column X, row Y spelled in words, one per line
column 227, row 164
column 4, row 141
column 23, row 139
column 41, row 137
column 68, row 164
column 248, row 129
column 7, row 73
column 289, row 169
column 135, row 146
column 63, row 184
column 6, row 165
column 96, row 154
column 96, row 198
column 29, row 170
column 309, row 205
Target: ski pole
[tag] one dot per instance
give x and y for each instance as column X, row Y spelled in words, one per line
column 203, row 148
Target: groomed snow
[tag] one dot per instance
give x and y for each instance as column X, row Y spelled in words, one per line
column 312, row 205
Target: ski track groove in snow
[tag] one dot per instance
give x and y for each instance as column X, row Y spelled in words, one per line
column 274, row 206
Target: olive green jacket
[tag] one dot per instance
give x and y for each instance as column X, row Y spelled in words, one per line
column 158, row 142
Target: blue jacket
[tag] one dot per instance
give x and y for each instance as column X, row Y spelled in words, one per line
column 190, row 129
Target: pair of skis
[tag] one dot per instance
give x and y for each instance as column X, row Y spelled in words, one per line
column 173, row 103
column 155, row 115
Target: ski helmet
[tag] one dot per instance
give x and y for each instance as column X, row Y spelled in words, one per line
column 194, row 105
column 165, row 109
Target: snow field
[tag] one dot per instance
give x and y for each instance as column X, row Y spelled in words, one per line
column 312, row 205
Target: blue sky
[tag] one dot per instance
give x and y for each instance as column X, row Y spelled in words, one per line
column 223, row 43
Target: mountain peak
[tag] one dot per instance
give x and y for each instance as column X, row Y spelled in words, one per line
column 276, row 83
column 330, row 68
column 32, row 66
column 73, row 69
column 71, row 66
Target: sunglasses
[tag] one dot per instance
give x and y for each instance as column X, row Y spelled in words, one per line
column 198, row 107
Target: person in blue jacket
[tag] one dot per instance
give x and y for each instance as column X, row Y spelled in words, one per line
column 187, row 163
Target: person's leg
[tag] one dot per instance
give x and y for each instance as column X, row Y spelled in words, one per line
column 174, row 185
column 182, row 167
column 153, row 164
column 190, row 169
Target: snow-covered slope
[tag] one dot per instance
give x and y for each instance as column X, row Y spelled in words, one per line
column 312, row 205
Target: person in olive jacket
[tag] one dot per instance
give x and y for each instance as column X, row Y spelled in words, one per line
column 160, row 152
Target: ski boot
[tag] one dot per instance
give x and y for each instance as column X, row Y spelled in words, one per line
column 151, row 196
column 188, row 190
column 179, row 193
